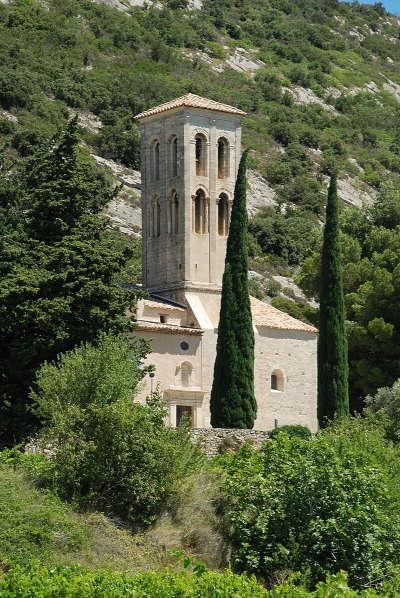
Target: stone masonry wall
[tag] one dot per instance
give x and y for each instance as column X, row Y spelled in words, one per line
column 215, row 441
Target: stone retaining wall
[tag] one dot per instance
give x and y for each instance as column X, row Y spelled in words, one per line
column 215, row 441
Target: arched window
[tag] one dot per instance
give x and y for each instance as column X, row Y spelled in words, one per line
column 174, row 156
column 201, row 155
column 223, row 158
column 277, row 381
column 175, row 214
column 223, row 215
column 186, row 374
column 200, row 213
column 155, row 217
column 155, row 160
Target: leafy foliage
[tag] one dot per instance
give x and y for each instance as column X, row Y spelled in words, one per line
column 296, row 431
column 232, row 403
column 386, row 403
column 316, row 506
column 289, row 236
column 110, row 453
column 76, row 581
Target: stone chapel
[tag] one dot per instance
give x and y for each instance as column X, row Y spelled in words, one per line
column 190, row 150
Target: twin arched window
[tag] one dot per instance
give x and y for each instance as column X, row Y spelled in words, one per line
column 223, row 215
column 200, row 213
column 223, row 158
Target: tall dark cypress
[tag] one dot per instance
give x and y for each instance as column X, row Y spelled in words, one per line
column 232, row 397
column 333, row 393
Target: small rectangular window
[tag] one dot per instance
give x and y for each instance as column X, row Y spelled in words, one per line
column 274, row 382
column 163, row 319
column 184, row 414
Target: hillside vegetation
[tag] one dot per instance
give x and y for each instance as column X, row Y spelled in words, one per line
column 320, row 81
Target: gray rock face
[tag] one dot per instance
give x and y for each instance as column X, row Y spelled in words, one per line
column 392, row 88
column 242, row 61
column 124, row 211
column 355, row 192
column 7, row 115
column 87, row 120
column 304, row 96
column 127, row 4
column 259, row 193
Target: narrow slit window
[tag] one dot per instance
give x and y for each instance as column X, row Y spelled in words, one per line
column 223, row 215
column 174, row 157
column 223, row 158
column 175, row 214
column 155, row 218
column 277, row 381
column 157, row 161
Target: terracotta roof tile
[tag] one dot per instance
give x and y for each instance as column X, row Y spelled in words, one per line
column 191, row 101
column 264, row 315
column 158, row 327
column 162, row 306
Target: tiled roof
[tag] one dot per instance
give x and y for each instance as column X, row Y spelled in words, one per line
column 265, row 315
column 162, row 306
column 158, row 327
column 191, row 101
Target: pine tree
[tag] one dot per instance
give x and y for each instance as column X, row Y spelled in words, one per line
column 57, row 270
column 333, row 395
column 232, row 397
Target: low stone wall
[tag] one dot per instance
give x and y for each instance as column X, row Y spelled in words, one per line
column 215, row 441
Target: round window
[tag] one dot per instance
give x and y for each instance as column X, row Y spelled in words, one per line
column 184, row 346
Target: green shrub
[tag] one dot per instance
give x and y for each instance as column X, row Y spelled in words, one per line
column 316, row 506
column 290, row 236
column 296, row 310
column 386, row 403
column 33, row 524
column 76, row 582
column 110, row 453
column 293, row 431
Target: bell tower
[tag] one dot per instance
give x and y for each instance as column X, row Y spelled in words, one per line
column 190, row 150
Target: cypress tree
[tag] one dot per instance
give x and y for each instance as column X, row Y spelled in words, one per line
column 232, row 397
column 333, row 394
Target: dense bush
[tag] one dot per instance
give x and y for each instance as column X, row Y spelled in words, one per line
column 285, row 235
column 300, row 311
column 386, row 403
column 76, row 582
column 109, row 452
column 293, row 431
column 316, row 506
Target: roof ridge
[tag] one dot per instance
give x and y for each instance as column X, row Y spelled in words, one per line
column 265, row 314
column 193, row 101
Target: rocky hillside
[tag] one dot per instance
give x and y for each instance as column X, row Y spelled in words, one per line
column 319, row 79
